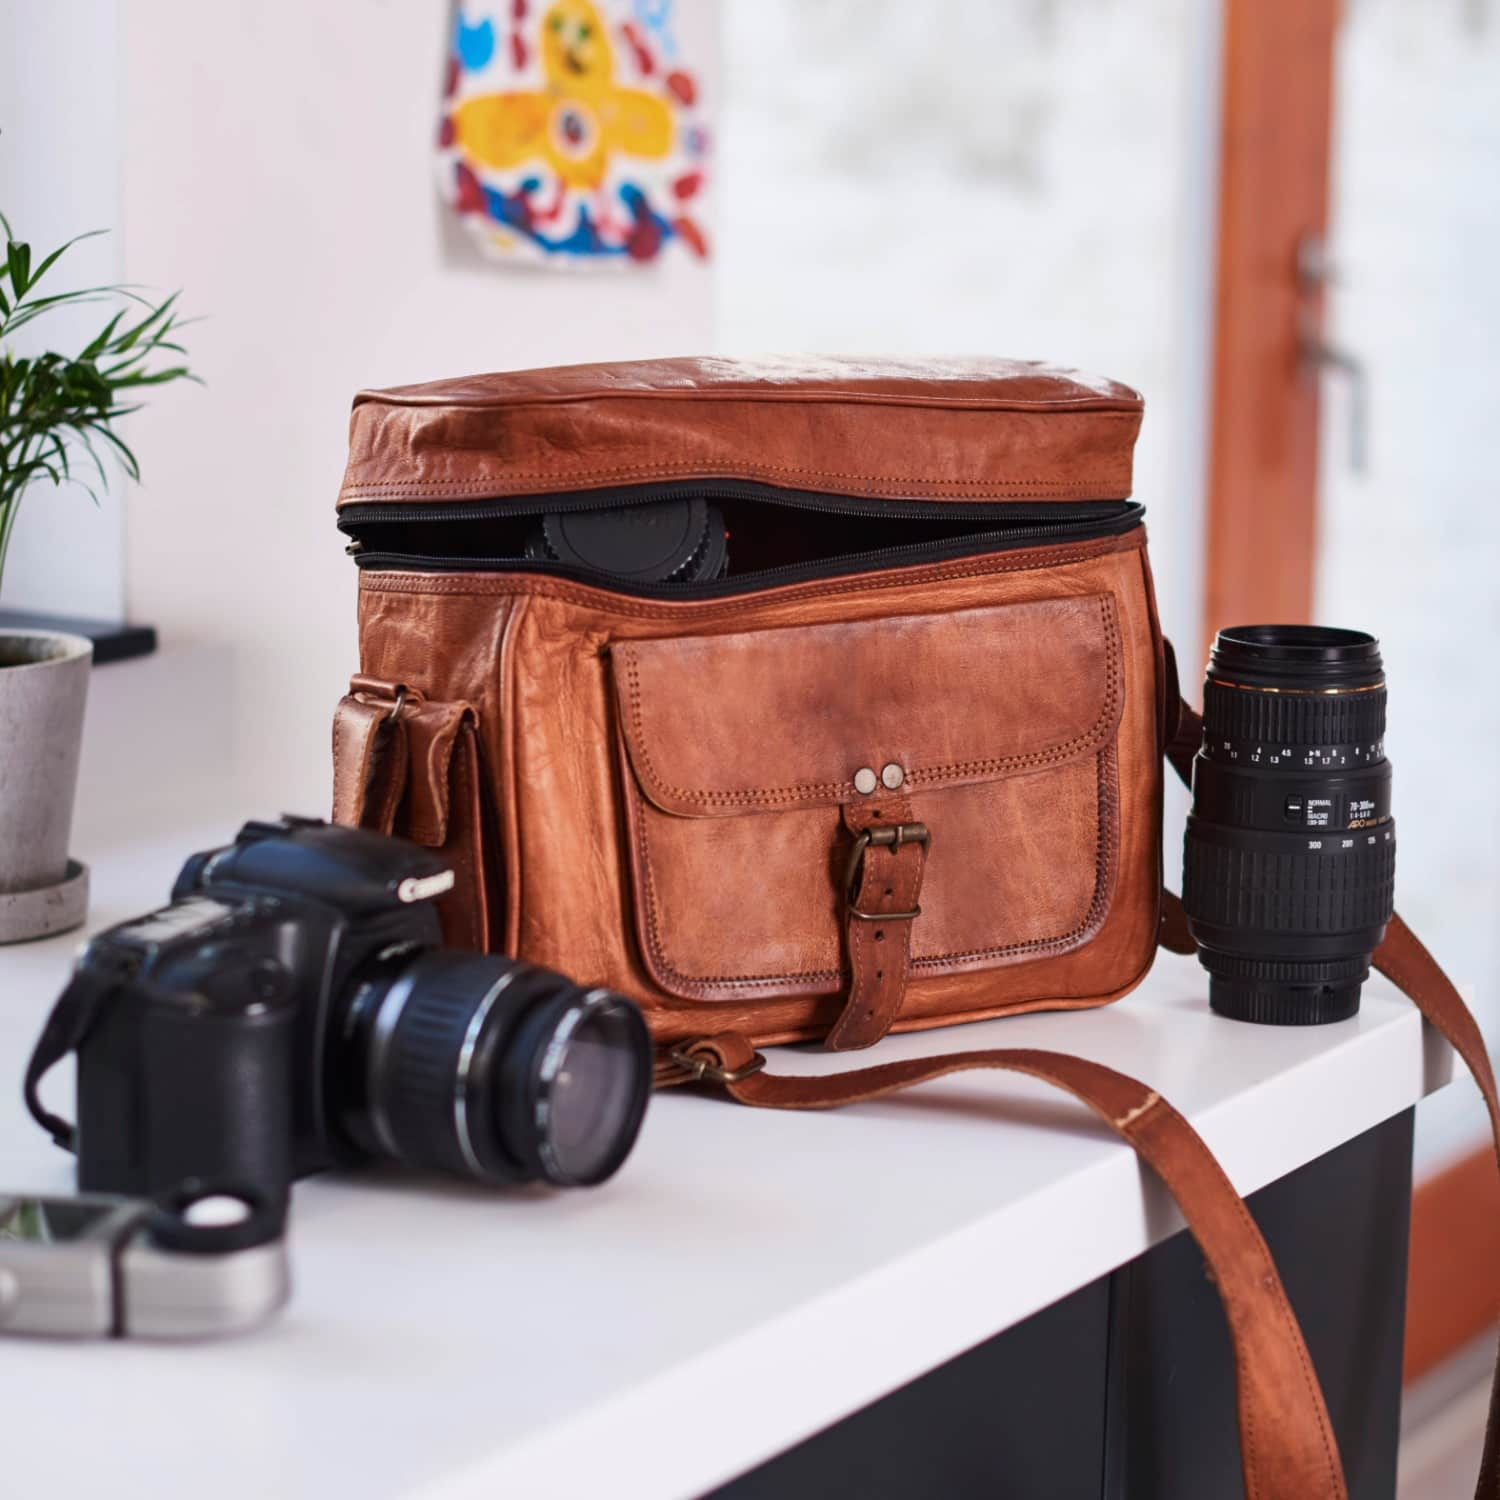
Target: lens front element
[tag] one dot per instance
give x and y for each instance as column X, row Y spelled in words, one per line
column 584, row 1095
column 1289, row 860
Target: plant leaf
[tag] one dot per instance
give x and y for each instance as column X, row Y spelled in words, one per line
column 51, row 260
column 18, row 262
column 100, row 340
column 53, row 405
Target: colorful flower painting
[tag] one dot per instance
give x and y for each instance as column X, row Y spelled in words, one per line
column 571, row 131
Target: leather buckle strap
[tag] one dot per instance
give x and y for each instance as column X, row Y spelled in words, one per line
column 699, row 1066
column 882, row 883
column 891, row 836
column 370, row 756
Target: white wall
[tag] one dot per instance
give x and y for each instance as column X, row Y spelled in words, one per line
column 277, row 162
column 60, row 176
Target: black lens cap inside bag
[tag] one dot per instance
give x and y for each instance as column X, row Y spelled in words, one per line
column 682, row 540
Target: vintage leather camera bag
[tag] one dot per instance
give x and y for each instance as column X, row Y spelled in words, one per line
column 900, row 766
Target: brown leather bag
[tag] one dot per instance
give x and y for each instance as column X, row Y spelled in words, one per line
column 901, row 768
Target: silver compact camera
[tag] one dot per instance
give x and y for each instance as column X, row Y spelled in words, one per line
column 200, row 1262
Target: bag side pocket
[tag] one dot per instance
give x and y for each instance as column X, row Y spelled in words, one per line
column 408, row 765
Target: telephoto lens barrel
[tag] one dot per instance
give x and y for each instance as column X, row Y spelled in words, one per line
column 489, row 1068
column 1289, row 860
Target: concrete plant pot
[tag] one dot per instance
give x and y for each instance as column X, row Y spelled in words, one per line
column 44, row 681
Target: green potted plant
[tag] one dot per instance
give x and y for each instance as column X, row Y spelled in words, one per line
column 57, row 417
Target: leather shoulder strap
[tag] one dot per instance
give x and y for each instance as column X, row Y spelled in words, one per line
column 1287, row 1448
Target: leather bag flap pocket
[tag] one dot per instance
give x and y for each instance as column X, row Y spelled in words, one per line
column 738, row 752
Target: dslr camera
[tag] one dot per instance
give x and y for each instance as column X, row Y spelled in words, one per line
column 293, row 1008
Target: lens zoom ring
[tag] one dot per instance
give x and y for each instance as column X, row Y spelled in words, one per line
column 1301, row 719
column 1301, row 891
column 421, row 1069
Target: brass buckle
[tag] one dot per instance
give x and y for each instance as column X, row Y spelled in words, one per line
column 891, row 836
column 700, row 1069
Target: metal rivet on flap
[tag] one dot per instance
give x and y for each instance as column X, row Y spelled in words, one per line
column 893, row 776
column 864, row 781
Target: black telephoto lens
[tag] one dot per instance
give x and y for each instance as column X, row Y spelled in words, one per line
column 1289, row 862
column 488, row 1068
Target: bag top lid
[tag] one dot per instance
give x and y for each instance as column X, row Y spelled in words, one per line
column 946, row 428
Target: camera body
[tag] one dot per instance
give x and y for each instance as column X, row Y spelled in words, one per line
column 294, row 1008
column 209, row 1058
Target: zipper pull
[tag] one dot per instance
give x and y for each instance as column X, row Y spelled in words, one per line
column 354, row 548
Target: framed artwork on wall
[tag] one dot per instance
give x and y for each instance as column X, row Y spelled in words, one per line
column 572, row 132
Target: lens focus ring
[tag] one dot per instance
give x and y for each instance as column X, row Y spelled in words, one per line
column 1255, row 716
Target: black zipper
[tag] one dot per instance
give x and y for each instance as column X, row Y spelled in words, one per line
column 1022, row 526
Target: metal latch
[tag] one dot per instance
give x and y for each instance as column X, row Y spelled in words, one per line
column 892, row 837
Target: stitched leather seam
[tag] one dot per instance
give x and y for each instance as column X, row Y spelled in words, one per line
column 707, row 470
column 509, row 736
column 1086, row 487
column 931, row 776
column 1104, row 406
column 486, row 585
column 340, row 770
column 658, row 784
column 1098, row 909
column 999, row 491
column 1094, row 735
column 1064, row 942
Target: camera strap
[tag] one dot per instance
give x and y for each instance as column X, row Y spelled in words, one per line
column 66, row 1027
column 1287, row 1448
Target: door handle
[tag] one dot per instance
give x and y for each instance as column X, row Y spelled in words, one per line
column 1318, row 353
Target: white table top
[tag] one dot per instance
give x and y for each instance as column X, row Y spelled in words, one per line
column 747, row 1278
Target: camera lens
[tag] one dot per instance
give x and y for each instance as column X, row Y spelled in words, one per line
column 489, row 1068
column 1289, row 859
